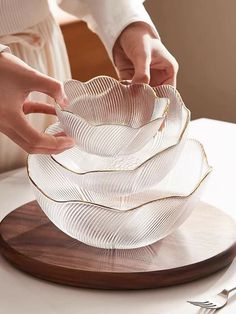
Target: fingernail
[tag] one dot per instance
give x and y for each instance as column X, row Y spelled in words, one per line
column 64, row 102
column 141, row 78
column 65, row 141
column 70, row 143
column 60, row 134
column 125, row 82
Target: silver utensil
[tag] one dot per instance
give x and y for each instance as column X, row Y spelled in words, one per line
column 216, row 302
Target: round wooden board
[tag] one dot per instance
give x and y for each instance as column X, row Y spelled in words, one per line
column 203, row 245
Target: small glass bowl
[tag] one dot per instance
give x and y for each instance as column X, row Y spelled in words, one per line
column 108, row 118
column 170, row 134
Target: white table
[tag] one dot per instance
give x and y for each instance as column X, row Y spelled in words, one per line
column 22, row 294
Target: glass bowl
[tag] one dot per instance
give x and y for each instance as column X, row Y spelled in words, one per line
column 43, row 171
column 124, row 195
column 117, row 183
column 108, row 118
column 107, row 227
column 170, row 134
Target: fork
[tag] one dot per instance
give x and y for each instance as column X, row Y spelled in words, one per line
column 216, row 302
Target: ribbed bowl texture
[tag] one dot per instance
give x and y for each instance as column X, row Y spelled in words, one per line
column 117, row 183
column 170, row 134
column 133, row 177
column 43, row 171
column 108, row 118
column 102, row 227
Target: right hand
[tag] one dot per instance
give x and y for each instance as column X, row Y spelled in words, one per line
column 17, row 80
column 140, row 56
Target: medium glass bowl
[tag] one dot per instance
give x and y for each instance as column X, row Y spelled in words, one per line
column 117, row 183
column 43, row 171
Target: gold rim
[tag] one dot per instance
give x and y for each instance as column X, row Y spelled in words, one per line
column 126, row 170
column 115, row 209
column 108, row 171
column 187, row 111
column 123, row 86
column 117, row 125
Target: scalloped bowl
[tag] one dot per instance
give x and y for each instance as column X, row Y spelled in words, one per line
column 142, row 225
column 170, row 134
column 43, row 171
column 132, row 178
column 108, row 118
column 118, row 183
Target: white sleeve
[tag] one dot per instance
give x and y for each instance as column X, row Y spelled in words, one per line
column 4, row 48
column 107, row 18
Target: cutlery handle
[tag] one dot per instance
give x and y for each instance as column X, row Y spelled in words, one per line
column 232, row 289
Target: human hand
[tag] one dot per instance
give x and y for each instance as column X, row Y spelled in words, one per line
column 17, row 80
column 141, row 57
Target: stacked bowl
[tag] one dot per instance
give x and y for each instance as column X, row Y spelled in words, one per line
column 133, row 177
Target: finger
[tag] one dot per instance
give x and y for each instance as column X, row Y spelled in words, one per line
column 167, row 77
column 164, row 76
column 142, row 68
column 170, row 81
column 159, row 78
column 126, row 82
column 36, row 140
column 27, row 79
column 60, row 134
column 16, row 138
column 126, row 74
column 13, row 135
column 38, row 107
column 171, row 72
column 48, row 85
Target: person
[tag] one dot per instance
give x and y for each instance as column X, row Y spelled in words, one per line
column 34, row 62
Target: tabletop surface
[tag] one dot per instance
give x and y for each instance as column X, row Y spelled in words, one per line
column 21, row 293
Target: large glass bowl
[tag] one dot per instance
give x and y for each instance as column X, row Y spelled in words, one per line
column 106, row 228
column 108, row 118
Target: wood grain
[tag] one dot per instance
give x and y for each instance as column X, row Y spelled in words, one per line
column 202, row 246
column 87, row 55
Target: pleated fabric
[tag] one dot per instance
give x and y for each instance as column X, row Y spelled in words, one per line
column 42, row 47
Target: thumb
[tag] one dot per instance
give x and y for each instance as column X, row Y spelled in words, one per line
column 50, row 86
column 142, row 68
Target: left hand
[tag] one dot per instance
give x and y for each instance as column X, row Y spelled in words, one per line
column 17, row 81
column 141, row 57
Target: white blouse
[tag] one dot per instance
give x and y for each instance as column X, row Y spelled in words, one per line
column 107, row 18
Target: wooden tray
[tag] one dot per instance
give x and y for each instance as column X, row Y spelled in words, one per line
column 203, row 245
